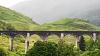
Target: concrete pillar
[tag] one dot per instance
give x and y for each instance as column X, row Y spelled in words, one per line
column 77, row 40
column 94, row 37
column 27, row 42
column 1, row 33
column 62, row 35
column 76, row 44
column 11, row 43
column 11, row 38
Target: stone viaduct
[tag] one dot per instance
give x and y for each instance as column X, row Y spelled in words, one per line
column 44, row 35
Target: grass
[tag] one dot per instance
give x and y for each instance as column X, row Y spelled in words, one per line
column 68, row 24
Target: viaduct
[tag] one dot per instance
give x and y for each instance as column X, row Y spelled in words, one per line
column 44, row 35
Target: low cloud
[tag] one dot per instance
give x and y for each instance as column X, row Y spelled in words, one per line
column 50, row 10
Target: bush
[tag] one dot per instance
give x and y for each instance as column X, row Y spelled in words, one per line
column 65, row 49
column 52, row 49
column 91, row 53
column 43, row 49
column 90, row 45
column 2, row 52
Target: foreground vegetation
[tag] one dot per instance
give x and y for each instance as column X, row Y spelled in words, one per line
column 53, row 47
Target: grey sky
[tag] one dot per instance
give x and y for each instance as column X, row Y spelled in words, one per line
column 8, row 3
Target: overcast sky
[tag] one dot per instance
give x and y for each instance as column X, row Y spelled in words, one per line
column 9, row 3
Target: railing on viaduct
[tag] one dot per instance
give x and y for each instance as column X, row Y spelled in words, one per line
column 44, row 35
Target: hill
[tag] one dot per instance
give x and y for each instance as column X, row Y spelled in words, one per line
column 69, row 24
column 15, row 20
column 54, row 10
column 11, row 20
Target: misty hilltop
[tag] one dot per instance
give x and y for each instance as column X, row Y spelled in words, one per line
column 68, row 24
column 51, row 10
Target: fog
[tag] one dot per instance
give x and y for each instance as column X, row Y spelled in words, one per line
column 43, row 11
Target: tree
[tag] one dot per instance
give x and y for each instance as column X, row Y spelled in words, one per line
column 82, row 44
column 43, row 49
column 65, row 49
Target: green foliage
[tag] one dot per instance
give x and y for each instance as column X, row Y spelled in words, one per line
column 2, row 52
column 91, row 53
column 18, row 46
column 51, row 49
column 43, row 49
column 91, row 45
column 15, row 53
column 97, row 44
column 15, row 20
column 65, row 49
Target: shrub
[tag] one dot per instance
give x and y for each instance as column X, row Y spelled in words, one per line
column 90, row 45
column 65, row 50
column 2, row 52
column 43, row 49
column 91, row 53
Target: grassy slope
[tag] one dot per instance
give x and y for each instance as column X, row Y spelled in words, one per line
column 15, row 19
column 69, row 24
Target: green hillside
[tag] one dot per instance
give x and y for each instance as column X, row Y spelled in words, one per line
column 11, row 20
column 15, row 20
column 69, row 24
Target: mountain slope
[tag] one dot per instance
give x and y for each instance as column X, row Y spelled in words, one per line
column 16, row 20
column 52, row 10
column 69, row 25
